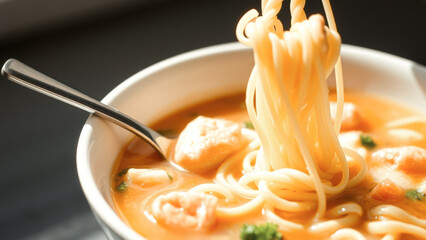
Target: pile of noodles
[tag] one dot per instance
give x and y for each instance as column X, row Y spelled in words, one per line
column 295, row 163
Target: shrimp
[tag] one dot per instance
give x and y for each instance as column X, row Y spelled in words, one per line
column 148, row 177
column 206, row 142
column 387, row 191
column 409, row 159
column 187, row 210
column 351, row 118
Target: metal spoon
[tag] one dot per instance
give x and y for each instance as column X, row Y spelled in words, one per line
column 24, row 75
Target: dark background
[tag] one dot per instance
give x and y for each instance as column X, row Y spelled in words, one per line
column 93, row 51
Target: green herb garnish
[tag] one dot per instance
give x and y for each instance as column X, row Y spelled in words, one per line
column 170, row 176
column 267, row 231
column 167, row 132
column 243, row 105
column 248, row 124
column 122, row 187
column 415, row 194
column 122, row 172
column 367, row 141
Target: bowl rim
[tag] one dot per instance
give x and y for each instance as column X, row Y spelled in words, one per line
column 98, row 204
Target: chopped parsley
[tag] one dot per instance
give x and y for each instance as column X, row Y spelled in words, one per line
column 121, row 187
column 170, row 176
column 122, row 172
column 248, row 124
column 367, row 141
column 415, row 194
column 267, row 231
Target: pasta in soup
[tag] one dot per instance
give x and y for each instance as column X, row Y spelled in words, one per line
column 287, row 159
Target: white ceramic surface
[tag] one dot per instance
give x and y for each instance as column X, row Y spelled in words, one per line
column 204, row 74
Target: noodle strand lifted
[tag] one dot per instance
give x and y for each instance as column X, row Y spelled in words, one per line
column 287, row 96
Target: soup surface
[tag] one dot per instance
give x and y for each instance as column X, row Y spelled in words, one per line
column 133, row 200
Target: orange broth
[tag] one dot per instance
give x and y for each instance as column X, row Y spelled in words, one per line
column 133, row 204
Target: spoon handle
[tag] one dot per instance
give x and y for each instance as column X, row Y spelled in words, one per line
column 28, row 77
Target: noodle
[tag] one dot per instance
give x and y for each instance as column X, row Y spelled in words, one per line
column 285, row 105
column 347, row 234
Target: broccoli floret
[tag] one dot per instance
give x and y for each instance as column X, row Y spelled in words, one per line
column 267, row 231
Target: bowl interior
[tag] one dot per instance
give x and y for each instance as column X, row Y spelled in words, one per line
column 205, row 74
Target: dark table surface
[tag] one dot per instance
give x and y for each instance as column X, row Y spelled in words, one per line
column 40, row 194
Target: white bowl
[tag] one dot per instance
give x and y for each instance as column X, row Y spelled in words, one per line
column 204, row 74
